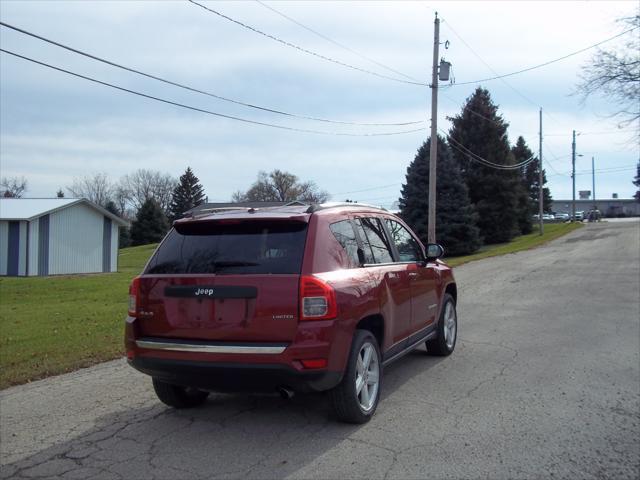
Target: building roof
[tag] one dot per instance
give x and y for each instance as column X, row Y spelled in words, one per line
column 32, row 208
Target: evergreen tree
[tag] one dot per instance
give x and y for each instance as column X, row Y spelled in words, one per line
column 188, row 193
column 124, row 239
column 496, row 194
column 150, row 224
column 60, row 193
column 455, row 219
column 531, row 177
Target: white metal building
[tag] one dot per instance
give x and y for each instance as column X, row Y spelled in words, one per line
column 53, row 236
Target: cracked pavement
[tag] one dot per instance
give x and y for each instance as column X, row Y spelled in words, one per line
column 545, row 382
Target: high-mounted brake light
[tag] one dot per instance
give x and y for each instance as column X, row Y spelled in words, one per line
column 134, row 290
column 317, row 299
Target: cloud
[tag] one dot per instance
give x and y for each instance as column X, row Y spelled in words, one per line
column 53, row 127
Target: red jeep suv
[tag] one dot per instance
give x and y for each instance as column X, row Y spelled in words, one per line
column 292, row 298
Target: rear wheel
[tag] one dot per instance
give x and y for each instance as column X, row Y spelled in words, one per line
column 447, row 330
column 355, row 399
column 178, row 397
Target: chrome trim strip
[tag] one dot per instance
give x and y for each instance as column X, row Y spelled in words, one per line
column 402, row 353
column 189, row 347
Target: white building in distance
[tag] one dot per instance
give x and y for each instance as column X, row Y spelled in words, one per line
column 57, row 236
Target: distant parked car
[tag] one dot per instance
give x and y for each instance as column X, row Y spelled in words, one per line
column 562, row 216
column 594, row 215
column 547, row 217
column 579, row 216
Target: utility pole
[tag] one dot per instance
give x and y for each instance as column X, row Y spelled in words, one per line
column 540, row 191
column 593, row 182
column 573, row 176
column 433, row 154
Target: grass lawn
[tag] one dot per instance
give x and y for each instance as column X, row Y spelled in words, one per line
column 524, row 242
column 51, row 325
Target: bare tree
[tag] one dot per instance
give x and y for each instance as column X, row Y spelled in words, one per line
column 142, row 185
column 615, row 73
column 238, row 196
column 13, row 187
column 279, row 186
column 96, row 188
column 309, row 192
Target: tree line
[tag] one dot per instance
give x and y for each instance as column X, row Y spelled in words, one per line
column 476, row 203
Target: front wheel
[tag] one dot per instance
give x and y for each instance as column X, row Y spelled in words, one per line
column 447, row 330
column 178, row 397
column 355, row 399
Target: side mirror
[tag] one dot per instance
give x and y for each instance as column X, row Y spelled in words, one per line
column 434, row 251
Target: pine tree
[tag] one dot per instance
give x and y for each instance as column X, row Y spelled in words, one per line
column 188, row 193
column 455, row 219
column 496, row 194
column 150, row 224
column 124, row 239
column 531, row 177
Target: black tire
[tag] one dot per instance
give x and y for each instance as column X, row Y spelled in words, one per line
column 344, row 399
column 438, row 345
column 178, row 397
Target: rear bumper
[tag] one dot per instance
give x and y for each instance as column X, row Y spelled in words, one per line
column 235, row 377
column 244, row 367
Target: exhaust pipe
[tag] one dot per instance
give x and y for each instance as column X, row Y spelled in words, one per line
column 285, row 393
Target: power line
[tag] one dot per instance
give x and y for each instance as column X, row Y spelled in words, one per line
column 304, row 50
column 466, row 108
column 601, row 172
column 528, row 69
column 209, row 112
column 367, row 189
column 315, row 32
column 606, row 132
column 475, row 157
column 447, row 24
column 192, row 89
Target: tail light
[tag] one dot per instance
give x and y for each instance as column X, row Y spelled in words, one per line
column 317, row 299
column 134, row 292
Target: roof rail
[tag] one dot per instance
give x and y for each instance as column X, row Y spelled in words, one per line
column 324, row 206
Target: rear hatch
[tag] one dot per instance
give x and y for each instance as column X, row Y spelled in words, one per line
column 230, row 280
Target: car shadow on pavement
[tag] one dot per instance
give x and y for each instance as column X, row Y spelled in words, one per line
column 230, row 436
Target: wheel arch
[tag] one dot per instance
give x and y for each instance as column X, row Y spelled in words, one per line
column 374, row 324
column 452, row 289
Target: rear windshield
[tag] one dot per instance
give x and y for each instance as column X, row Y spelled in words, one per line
column 244, row 248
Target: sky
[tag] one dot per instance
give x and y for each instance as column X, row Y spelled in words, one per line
column 55, row 127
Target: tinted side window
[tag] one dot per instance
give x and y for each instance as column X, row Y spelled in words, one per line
column 408, row 248
column 377, row 239
column 343, row 231
column 366, row 248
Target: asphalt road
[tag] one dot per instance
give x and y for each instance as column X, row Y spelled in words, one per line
column 545, row 382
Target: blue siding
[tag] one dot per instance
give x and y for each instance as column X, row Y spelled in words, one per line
column 106, row 245
column 13, row 252
column 43, row 245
